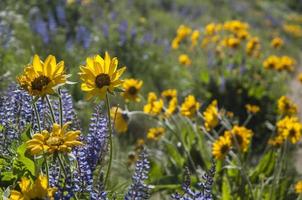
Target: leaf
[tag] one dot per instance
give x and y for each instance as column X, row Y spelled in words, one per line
column 226, row 189
column 25, row 136
column 7, row 176
column 265, row 165
column 175, row 155
column 204, row 76
column 26, row 161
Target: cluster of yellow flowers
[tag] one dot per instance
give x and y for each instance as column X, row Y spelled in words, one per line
column 293, row 30
column 286, row 106
column 238, row 137
column 183, row 32
column 253, row 109
column 283, row 63
column 210, row 116
column 155, row 133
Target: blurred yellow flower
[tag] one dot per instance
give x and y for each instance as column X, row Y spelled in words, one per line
column 271, row 62
column 37, row 190
column 154, row 106
column 277, row 141
column 189, row 107
column 221, row 147
column 175, row 43
column 169, row 94
column 252, row 108
column 253, row 47
column 289, row 128
column 194, row 38
column 300, row 77
column 277, row 42
column 235, row 26
column 59, row 140
column 286, row 106
column 120, row 118
column 184, row 59
column 183, row 31
column 211, row 116
column 155, row 133
column 100, row 76
column 232, row 42
column 286, row 63
column 241, row 136
column 293, row 30
column 172, row 107
column 40, row 78
column 298, row 187
column 131, row 89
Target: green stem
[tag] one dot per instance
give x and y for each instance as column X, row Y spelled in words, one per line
column 51, row 110
column 61, row 108
column 110, row 140
column 47, row 168
column 38, row 117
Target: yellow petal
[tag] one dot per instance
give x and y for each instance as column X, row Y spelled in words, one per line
column 37, row 64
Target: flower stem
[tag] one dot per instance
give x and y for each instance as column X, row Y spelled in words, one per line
column 47, row 168
column 110, row 140
column 52, row 114
column 61, row 108
column 37, row 116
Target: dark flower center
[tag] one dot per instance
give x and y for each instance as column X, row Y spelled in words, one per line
column 292, row 132
column 169, row 98
column 224, row 149
column 132, row 90
column 239, row 139
column 40, row 82
column 102, row 80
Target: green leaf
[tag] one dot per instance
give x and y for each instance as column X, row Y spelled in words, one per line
column 7, row 176
column 265, row 165
column 204, row 76
column 226, row 189
column 175, row 155
column 25, row 136
column 26, row 161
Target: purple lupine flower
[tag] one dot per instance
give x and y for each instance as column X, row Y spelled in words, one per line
column 205, row 191
column 122, row 29
column 60, row 13
column 105, row 29
column 83, row 36
column 147, row 38
column 113, row 15
column 39, row 26
column 133, row 33
column 138, row 188
column 52, row 25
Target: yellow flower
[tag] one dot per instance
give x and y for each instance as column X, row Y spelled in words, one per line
column 235, row 26
column 277, row 141
column 37, row 190
column 286, row 106
column 154, row 106
column 300, row 77
column 132, row 88
column 252, row 108
column 242, row 34
column 221, row 147
column 212, row 28
column 175, row 43
column 59, row 140
column 184, row 59
column 232, row 42
column 286, row 63
column 121, row 119
column 169, row 94
column 172, row 107
column 298, row 187
column 289, row 128
column 292, row 29
column 194, row 38
column 272, row 62
column 253, row 46
column 277, row 42
column 100, row 76
column 189, row 107
column 241, row 136
column 211, row 116
column 155, row 133
column 41, row 78
column 183, row 31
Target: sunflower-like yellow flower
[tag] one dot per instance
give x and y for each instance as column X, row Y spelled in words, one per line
column 277, row 42
column 299, row 77
column 29, row 190
column 185, row 60
column 121, row 119
column 59, row 140
column 235, row 26
column 253, row 47
column 232, row 42
column 286, row 63
column 175, row 43
column 241, row 136
column 172, row 107
column 272, row 62
column 211, row 116
column 293, row 30
column 169, row 94
column 298, row 187
column 221, row 147
column 286, row 106
column 155, row 133
column 132, row 87
column 100, row 76
column 276, row 141
column 253, row 109
column 41, row 78
column 154, row 105
column 194, row 38
column 189, row 107
column 289, row 128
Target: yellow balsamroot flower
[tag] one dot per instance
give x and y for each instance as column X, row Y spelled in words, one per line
column 154, row 105
column 59, row 140
column 286, row 63
column 221, row 147
column 155, row 133
column 235, row 26
column 169, row 94
column 300, row 77
column 184, row 59
column 242, row 34
column 132, row 88
column 293, row 30
column 40, row 78
column 194, row 38
column 240, row 135
column 232, row 42
column 183, row 31
column 277, row 42
column 121, row 119
column 298, row 187
column 37, row 190
column 189, row 107
column 272, row 62
column 211, row 116
column 286, row 106
column 253, row 47
column 172, row 107
column 277, row 141
column 253, row 109
column 289, row 128
column 100, row 76
column 175, row 43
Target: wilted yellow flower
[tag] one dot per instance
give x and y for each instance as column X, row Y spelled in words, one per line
column 131, row 89
column 272, row 62
column 240, row 135
column 277, row 42
column 41, row 78
column 211, row 116
column 189, row 107
column 286, row 106
column 169, row 94
column 184, row 59
column 59, row 140
column 120, row 118
column 298, row 187
column 37, row 190
column 221, row 147
column 252, row 108
column 154, row 106
column 100, row 76
column 155, row 133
